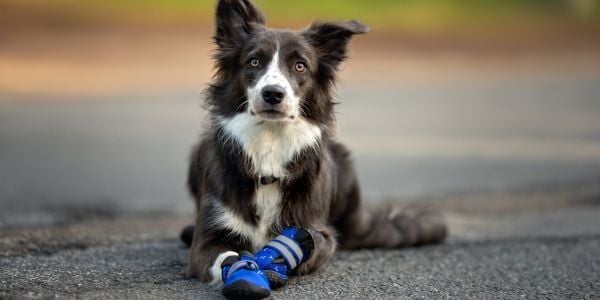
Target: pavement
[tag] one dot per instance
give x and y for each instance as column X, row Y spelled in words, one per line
column 67, row 158
column 528, row 248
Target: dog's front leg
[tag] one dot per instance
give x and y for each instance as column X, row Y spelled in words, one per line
column 296, row 250
column 205, row 262
column 237, row 273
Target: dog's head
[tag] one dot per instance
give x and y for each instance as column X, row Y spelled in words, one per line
column 275, row 75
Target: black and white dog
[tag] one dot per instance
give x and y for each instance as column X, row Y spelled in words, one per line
column 270, row 161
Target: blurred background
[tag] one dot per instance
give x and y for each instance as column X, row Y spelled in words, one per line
column 100, row 100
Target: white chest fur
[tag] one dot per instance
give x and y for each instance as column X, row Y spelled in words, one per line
column 268, row 209
column 270, row 147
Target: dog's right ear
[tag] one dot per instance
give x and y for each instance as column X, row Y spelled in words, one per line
column 236, row 20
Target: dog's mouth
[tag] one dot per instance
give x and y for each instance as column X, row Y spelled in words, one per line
column 273, row 114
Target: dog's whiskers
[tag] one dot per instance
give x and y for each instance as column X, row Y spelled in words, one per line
column 302, row 107
column 239, row 107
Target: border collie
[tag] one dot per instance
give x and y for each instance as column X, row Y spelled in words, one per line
column 276, row 193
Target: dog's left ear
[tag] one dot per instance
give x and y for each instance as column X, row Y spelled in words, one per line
column 235, row 21
column 331, row 39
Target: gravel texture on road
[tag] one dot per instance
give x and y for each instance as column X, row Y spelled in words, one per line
column 565, row 268
column 550, row 254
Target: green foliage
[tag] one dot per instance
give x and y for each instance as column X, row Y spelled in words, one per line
column 424, row 14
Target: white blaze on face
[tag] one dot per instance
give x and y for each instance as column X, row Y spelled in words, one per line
column 274, row 76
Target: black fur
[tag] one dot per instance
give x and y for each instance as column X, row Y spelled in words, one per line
column 320, row 192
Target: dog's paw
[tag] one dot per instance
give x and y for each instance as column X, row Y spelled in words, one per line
column 276, row 280
column 244, row 290
column 187, row 235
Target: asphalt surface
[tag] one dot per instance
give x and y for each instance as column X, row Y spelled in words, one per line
column 544, row 267
column 521, row 252
column 475, row 263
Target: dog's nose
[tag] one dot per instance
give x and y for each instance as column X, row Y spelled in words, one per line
column 273, row 94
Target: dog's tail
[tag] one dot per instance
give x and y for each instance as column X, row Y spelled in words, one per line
column 187, row 235
column 392, row 226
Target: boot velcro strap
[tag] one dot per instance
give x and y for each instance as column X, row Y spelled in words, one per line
column 288, row 249
column 242, row 264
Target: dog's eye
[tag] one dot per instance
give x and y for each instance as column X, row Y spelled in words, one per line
column 300, row 67
column 254, row 62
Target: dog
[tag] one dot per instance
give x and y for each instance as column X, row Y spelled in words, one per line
column 269, row 177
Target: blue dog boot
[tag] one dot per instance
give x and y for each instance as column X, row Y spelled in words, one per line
column 283, row 254
column 243, row 279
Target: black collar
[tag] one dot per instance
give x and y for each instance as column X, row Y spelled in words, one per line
column 266, row 180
